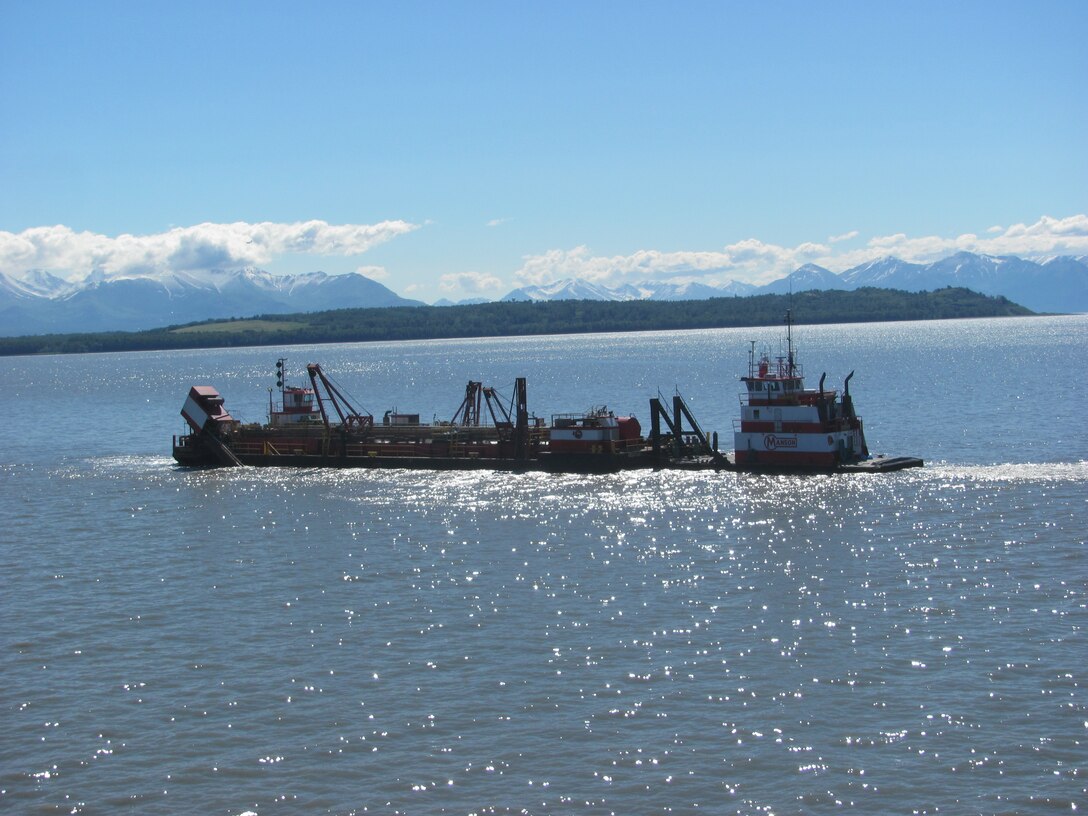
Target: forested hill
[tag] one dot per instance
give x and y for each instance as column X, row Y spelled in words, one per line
column 529, row 318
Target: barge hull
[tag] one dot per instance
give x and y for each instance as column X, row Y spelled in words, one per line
column 189, row 455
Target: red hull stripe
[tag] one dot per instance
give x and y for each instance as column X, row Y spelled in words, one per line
column 787, row 428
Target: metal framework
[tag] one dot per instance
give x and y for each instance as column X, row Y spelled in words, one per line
column 350, row 418
column 675, row 424
column 477, row 395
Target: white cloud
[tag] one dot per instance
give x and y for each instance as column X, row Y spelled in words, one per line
column 495, row 222
column 749, row 260
column 754, row 261
column 74, row 255
column 374, row 272
column 469, row 282
column 1046, row 237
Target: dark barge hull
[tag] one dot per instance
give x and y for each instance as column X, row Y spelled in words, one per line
column 203, row 452
column 207, row 455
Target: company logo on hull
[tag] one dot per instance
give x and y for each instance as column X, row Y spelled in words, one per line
column 772, row 442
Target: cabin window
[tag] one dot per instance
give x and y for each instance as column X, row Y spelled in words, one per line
column 755, row 414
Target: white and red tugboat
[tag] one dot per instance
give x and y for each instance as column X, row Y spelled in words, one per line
column 785, row 426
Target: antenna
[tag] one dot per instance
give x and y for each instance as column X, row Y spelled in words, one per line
column 789, row 338
column 280, row 363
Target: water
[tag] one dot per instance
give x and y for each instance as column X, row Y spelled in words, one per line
column 279, row 642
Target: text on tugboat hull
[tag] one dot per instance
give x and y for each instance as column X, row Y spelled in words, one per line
column 772, row 442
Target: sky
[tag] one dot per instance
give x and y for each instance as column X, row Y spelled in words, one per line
column 462, row 149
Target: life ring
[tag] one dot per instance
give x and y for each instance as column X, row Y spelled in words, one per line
column 578, row 434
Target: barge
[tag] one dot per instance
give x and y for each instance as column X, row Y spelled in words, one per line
column 782, row 427
column 317, row 426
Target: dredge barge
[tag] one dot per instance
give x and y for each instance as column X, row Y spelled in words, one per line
column 317, row 426
column 783, row 427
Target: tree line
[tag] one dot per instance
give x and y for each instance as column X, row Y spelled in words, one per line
column 534, row 318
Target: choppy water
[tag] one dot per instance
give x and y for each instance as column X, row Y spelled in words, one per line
column 280, row 641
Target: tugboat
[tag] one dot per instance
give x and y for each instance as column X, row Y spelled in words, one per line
column 785, row 426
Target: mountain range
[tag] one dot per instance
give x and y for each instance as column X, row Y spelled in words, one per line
column 39, row 302
column 577, row 289
column 1057, row 284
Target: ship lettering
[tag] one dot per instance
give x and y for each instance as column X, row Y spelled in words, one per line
column 772, row 442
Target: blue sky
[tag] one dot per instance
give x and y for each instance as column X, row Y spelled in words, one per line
column 455, row 149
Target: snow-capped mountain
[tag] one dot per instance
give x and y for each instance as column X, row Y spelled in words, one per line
column 658, row 290
column 36, row 283
column 132, row 303
column 567, row 289
column 1055, row 285
column 577, row 289
column 737, row 288
column 879, row 272
column 807, row 277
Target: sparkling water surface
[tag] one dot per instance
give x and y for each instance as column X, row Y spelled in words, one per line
column 278, row 641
